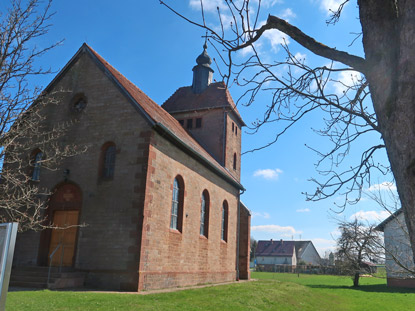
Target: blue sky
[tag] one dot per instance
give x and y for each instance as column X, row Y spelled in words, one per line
column 156, row 50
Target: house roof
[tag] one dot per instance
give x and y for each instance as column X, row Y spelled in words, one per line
column 300, row 247
column 158, row 118
column 382, row 225
column 275, row 248
column 216, row 95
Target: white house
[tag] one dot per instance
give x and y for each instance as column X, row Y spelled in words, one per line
column 272, row 252
column 307, row 253
column 398, row 251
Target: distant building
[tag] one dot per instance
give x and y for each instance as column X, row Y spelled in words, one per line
column 282, row 252
column 276, row 253
column 307, row 253
column 397, row 249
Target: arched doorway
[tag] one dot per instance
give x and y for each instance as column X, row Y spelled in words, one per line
column 63, row 212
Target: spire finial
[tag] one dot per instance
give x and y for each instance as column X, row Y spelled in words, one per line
column 205, row 45
column 202, row 73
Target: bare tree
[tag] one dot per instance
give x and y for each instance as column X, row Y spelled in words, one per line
column 27, row 143
column 379, row 101
column 357, row 246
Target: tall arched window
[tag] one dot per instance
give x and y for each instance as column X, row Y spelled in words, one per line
column 234, row 161
column 107, row 164
column 37, row 160
column 204, row 214
column 225, row 212
column 176, row 218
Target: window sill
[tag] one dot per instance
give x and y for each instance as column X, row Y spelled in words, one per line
column 203, row 237
column 175, row 231
column 223, row 242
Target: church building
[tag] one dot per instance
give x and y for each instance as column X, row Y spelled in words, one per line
column 157, row 191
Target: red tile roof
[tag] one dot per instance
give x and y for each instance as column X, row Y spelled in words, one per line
column 216, row 95
column 160, row 116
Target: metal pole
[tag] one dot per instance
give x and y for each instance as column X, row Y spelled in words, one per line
column 9, row 241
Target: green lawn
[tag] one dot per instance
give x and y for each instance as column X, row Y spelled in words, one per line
column 271, row 292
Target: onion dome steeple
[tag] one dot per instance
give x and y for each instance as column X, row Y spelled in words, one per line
column 202, row 73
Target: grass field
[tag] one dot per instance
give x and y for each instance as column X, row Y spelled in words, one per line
column 272, row 291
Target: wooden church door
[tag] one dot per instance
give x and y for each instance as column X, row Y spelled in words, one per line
column 63, row 240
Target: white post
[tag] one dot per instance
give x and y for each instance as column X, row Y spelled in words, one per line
column 8, row 233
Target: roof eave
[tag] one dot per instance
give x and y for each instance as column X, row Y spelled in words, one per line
column 381, row 226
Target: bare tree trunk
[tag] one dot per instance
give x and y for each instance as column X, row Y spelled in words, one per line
column 389, row 44
column 356, row 279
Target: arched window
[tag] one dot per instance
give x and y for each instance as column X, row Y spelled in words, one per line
column 107, row 166
column 234, row 161
column 176, row 218
column 225, row 212
column 37, row 161
column 204, row 214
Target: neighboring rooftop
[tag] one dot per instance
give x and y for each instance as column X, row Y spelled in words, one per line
column 382, row 225
column 275, row 248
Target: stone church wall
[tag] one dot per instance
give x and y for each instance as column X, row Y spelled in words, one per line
column 171, row 258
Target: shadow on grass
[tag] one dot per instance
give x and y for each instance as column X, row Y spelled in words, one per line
column 24, row 289
column 379, row 288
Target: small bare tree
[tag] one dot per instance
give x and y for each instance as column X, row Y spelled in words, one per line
column 357, row 245
column 26, row 142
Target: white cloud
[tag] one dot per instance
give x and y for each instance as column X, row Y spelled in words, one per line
column 300, row 56
column 383, row 186
column 268, row 173
column 287, row 231
column 258, row 214
column 208, row 6
column 329, row 6
column 287, row 14
column 276, row 38
column 303, row 210
column 346, row 79
column 212, row 5
column 270, row 3
column 370, row 215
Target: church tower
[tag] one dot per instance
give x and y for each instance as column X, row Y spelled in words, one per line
column 208, row 112
column 202, row 73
